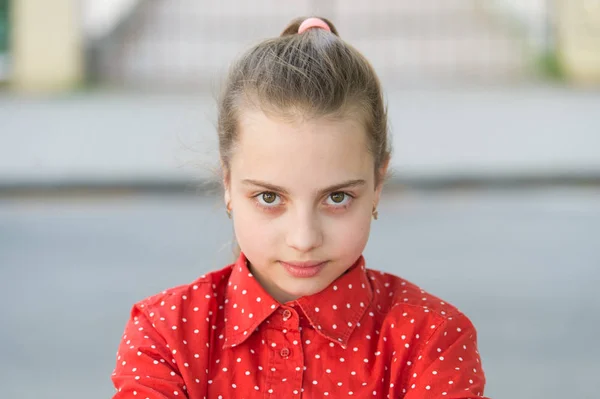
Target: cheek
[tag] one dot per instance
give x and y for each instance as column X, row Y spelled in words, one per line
column 252, row 232
column 349, row 235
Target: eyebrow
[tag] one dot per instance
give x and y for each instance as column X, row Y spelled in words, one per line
column 335, row 187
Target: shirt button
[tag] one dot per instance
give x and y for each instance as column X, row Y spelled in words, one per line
column 285, row 352
column 287, row 314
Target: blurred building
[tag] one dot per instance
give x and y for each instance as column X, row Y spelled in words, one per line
column 4, row 39
column 188, row 43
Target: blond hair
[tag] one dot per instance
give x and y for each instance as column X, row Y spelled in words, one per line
column 310, row 75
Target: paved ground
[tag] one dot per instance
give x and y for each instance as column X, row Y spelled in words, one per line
column 524, row 265
column 104, row 137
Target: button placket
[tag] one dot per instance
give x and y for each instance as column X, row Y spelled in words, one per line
column 286, row 359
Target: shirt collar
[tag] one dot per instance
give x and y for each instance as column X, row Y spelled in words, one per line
column 333, row 312
column 247, row 304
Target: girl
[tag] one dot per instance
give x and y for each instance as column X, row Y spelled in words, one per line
column 304, row 152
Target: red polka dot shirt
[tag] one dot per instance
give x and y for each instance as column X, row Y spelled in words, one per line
column 369, row 334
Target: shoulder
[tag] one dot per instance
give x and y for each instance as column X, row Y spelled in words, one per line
column 406, row 310
column 398, row 299
column 200, row 294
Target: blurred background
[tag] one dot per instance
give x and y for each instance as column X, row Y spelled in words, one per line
column 108, row 171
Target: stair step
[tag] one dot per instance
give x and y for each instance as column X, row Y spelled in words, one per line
column 185, row 41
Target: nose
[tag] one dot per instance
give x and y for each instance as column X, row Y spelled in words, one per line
column 304, row 233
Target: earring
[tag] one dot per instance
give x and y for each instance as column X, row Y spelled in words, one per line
column 228, row 210
column 375, row 213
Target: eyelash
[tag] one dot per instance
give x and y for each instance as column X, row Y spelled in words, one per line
column 271, row 208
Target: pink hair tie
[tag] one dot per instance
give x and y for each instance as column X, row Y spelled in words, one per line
column 313, row 23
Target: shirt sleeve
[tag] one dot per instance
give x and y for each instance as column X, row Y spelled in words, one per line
column 145, row 367
column 448, row 365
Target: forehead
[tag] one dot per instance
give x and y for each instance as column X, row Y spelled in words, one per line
column 314, row 152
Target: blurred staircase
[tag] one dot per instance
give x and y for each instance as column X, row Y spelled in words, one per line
column 188, row 44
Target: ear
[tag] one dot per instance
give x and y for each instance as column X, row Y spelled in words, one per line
column 381, row 173
column 226, row 184
column 227, row 197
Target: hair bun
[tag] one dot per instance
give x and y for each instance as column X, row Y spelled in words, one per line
column 292, row 28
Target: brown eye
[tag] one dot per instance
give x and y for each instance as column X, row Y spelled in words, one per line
column 338, row 197
column 269, row 198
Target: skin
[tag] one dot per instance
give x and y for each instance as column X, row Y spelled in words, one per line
column 287, row 187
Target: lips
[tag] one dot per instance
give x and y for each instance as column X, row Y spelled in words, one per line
column 303, row 269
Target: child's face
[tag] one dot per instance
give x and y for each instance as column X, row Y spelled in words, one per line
column 285, row 209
